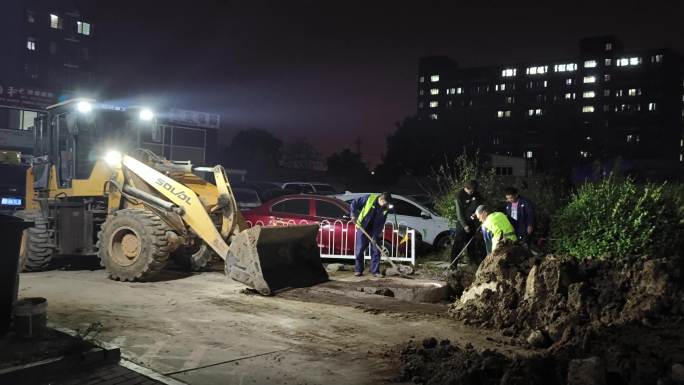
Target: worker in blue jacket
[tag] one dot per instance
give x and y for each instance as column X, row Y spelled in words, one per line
column 520, row 213
column 370, row 213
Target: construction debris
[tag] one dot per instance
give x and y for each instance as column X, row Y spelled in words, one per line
column 592, row 321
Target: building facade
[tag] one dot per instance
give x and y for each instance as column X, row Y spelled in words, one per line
column 48, row 53
column 606, row 102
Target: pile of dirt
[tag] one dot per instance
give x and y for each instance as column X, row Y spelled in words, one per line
column 626, row 315
column 432, row 362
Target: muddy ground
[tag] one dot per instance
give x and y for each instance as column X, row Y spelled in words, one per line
column 205, row 329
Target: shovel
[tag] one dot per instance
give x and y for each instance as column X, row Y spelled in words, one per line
column 401, row 270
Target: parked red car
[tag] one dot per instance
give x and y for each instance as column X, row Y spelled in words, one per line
column 337, row 232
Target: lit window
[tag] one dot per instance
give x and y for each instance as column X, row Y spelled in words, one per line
column 590, row 64
column 608, row 62
column 459, row 90
column 530, row 112
column 588, row 109
column 652, row 106
column 510, row 100
column 606, row 92
column 632, row 61
column 570, row 95
column 55, row 21
column 584, row 154
column 434, row 104
column 606, row 77
column 83, row 28
column 434, row 91
column 31, row 44
column 507, row 113
column 632, row 92
column 508, row 72
column 534, row 112
column 657, row 58
column 421, row 79
column 568, row 82
column 433, row 116
column 565, row 67
column 500, row 87
column 529, row 154
column 499, row 114
column 609, row 46
column 451, row 91
column 434, row 78
column 590, row 79
column 588, row 94
column 538, row 70
column 618, row 93
column 546, row 84
column 421, row 92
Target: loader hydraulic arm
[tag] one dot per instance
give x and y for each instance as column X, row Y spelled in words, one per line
column 190, row 207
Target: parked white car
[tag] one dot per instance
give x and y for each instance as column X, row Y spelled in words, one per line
column 432, row 229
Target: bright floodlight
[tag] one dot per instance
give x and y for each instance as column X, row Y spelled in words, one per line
column 146, row 114
column 113, row 158
column 84, row 107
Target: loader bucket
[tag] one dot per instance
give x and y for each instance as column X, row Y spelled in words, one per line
column 271, row 258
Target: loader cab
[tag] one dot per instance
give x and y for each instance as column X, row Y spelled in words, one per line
column 74, row 134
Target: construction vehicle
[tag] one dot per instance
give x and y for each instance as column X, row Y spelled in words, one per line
column 91, row 190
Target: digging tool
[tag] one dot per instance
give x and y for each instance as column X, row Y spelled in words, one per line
column 395, row 269
column 461, row 253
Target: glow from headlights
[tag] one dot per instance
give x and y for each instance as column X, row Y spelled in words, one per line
column 113, row 158
column 146, row 115
column 84, row 107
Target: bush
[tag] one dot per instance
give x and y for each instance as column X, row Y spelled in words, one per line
column 618, row 219
column 545, row 192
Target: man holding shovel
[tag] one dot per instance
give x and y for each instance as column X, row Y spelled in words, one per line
column 369, row 212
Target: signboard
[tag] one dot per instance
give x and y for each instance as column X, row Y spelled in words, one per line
column 194, row 118
column 25, row 97
column 16, row 139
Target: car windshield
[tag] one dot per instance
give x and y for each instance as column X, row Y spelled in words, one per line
column 246, row 196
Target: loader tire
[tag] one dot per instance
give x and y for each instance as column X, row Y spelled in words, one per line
column 133, row 245
column 194, row 258
column 35, row 252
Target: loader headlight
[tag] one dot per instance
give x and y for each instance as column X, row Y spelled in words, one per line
column 146, row 115
column 84, row 107
column 113, row 158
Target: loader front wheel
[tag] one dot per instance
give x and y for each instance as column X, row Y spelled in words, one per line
column 133, row 245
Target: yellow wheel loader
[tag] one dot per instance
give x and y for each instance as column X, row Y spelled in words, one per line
column 92, row 190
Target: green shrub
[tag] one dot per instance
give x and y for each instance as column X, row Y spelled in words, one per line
column 617, row 219
column 545, row 192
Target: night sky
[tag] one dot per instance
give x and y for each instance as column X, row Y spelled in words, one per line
column 329, row 71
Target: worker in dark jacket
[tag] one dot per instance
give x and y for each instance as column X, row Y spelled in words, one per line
column 370, row 213
column 520, row 213
column 467, row 201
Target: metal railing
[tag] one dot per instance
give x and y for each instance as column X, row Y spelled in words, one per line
column 337, row 239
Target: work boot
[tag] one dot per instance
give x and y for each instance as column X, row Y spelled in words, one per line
column 378, row 275
column 357, row 274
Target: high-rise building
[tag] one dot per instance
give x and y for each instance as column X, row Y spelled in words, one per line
column 606, row 102
column 47, row 53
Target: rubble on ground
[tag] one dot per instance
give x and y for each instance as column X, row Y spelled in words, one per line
column 594, row 321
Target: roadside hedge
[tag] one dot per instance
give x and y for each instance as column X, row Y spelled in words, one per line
column 617, row 218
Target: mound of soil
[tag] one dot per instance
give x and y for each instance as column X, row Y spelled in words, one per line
column 624, row 318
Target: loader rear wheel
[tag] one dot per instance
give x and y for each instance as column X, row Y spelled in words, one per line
column 195, row 258
column 35, row 253
column 133, row 245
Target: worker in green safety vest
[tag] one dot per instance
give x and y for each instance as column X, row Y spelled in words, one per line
column 369, row 212
column 495, row 227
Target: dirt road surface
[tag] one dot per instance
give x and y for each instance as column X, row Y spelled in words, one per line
column 203, row 329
